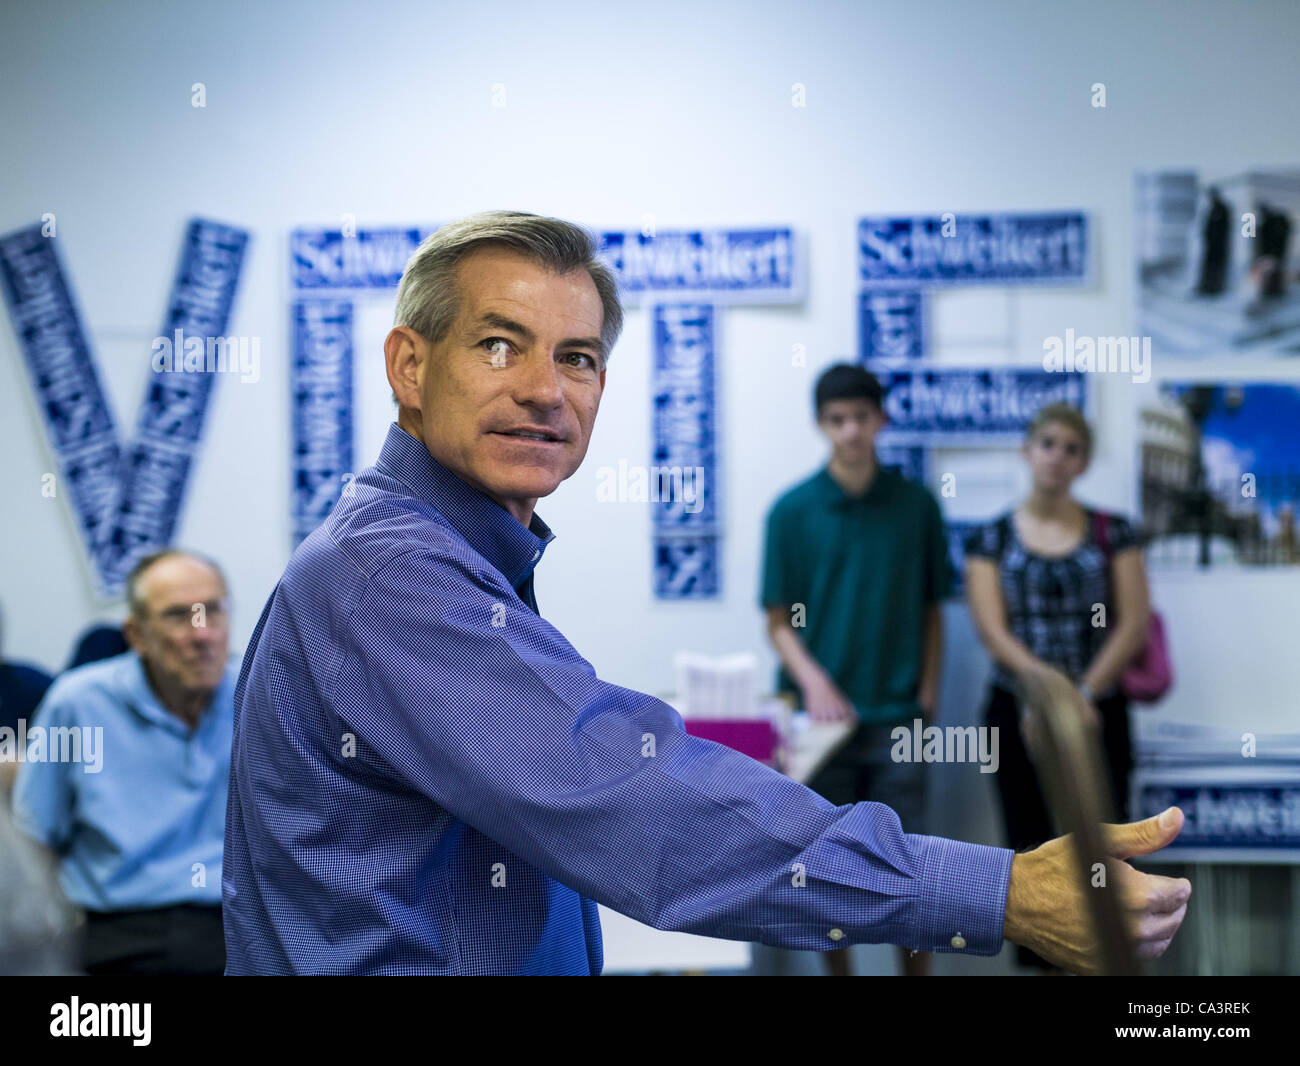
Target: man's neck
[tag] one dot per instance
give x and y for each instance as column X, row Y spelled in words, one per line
column 854, row 479
column 187, row 704
column 521, row 509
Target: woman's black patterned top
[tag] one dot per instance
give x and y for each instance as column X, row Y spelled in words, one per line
column 1052, row 600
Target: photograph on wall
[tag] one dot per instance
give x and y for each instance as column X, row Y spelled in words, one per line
column 1218, row 267
column 1220, row 475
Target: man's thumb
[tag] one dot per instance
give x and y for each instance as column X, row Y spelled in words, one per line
column 1146, row 836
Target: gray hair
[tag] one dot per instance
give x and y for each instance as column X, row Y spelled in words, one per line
column 135, row 602
column 428, row 299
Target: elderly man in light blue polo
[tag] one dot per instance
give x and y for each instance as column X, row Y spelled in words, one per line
column 124, row 774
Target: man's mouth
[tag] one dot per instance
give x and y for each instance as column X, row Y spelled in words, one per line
column 543, row 435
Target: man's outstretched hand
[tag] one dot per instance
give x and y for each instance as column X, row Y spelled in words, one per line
column 1048, row 912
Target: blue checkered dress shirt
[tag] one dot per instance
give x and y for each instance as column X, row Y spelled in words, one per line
column 427, row 777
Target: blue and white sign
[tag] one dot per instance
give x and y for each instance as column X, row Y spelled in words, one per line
column 330, row 269
column 891, row 327
column 78, row 420
column 1052, row 248
column 1239, row 821
column 958, row 532
column 170, row 426
column 911, row 462
column 952, row 405
column 127, row 502
column 685, row 452
column 322, row 393
column 330, row 260
column 687, row 568
column 720, row 266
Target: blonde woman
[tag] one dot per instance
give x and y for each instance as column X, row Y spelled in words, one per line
column 1053, row 582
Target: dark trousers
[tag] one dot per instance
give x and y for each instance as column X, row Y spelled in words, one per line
column 185, row 940
column 1024, row 810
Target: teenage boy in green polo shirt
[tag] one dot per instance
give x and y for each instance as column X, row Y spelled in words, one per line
column 855, row 570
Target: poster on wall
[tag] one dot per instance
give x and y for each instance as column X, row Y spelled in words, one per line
column 1220, row 475
column 702, row 270
column 908, row 462
column 891, row 327
column 1034, row 248
column 127, row 494
column 334, row 274
column 684, row 477
column 901, row 259
column 958, row 532
column 762, row 265
column 1217, row 262
column 951, row 405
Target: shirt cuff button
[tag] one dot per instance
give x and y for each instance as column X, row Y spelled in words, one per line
column 836, row 934
column 959, row 941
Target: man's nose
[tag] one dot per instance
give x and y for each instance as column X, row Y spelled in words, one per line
column 537, row 382
column 205, row 634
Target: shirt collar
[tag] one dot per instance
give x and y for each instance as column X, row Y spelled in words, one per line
column 834, row 495
column 139, row 695
column 489, row 528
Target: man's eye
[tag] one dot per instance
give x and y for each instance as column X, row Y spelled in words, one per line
column 591, row 361
column 492, row 343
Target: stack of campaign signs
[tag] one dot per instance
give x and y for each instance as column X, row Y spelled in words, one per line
column 717, row 698
column 1240, row 791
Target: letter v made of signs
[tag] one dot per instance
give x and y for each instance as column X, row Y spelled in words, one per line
column 127, row 498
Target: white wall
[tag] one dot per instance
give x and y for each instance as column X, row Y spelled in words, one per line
column 681, row 111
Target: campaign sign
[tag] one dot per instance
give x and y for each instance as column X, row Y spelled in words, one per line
column 721, row 266
column 128, row 500
column 687, row 568
column 324, row 265
column 995, row 405
column 909, row 462
column 958, row 533
column 891, row 327
column 330, row 259
column 321, row 390
column 1244, row 821
column 1000, row 249
column 170, row 427
column 684, row 477
column 69, row 395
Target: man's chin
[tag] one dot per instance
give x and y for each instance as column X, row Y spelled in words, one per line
column 527, row 488
column 525, row 480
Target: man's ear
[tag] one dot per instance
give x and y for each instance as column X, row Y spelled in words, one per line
column 131, row 630
column 403, row 359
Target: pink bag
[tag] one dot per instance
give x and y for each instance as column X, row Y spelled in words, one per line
column 1150, row 675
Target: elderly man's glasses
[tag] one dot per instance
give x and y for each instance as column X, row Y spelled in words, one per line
column 196, row 616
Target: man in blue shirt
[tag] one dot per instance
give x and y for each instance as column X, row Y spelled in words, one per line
column 123, row 775
column 428, row 778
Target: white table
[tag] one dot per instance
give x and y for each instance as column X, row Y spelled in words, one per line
column 631, row 947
